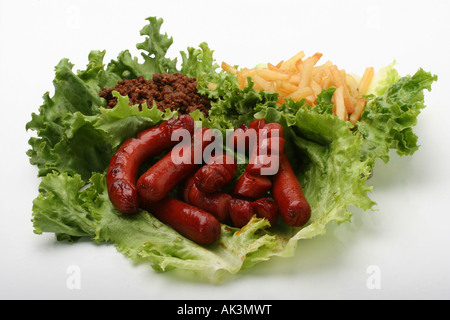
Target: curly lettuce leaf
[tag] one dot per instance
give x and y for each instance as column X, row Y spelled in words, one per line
column 75, row 94
column 388, row 120
column 385, row 77
column 155, row 47
column 236, row 106
column 199, row 63
column 60, row 208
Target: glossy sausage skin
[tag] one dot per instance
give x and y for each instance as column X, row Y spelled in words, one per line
column 244, row 135
column 191, row 222
column 241, row 211
column 266, row 208
column 240, row 139
column 217, row 173
column 266, row 163
column 270, row 145
column 165, row 174
column 288, row 193
column 216, row 203
column 253, row 185
column 269, row 127
column 124, row 165
column 257, row 124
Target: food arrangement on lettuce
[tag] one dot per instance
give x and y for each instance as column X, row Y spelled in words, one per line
column 104, row 149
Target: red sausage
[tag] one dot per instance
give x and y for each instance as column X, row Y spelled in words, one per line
column 216, row 203
column 266, row 156
column 257, row 124
column 253, row 185
column 266, row 163
column 288, row 193
column 243, row 136
column 241, row 212
column 191, row 222
column 124, row 165
column 273, row 126
column 266, row 208
column 165, row 174
column 217, row 173
column 240, row 138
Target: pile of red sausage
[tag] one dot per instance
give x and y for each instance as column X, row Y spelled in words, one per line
column 204, row 206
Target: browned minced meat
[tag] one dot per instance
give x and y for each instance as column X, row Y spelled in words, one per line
column 173, row 91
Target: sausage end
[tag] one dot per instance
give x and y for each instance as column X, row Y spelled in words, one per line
column 297, row 214
column 124, row 197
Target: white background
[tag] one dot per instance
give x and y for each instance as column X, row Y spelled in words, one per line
column 407, row 239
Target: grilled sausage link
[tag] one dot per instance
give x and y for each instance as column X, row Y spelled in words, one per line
column 266, row 208
column 216, row 203
column 191, row 222
column 252, row 185
column 172, row 169
column 124, row 165
column 265, row 160
column 288, row 193
column 241, row 211
column 217, row 173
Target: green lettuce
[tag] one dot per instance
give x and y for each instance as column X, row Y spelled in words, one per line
column 385, row 77
column 76, row 136
column 61, row 209
column 388, row 119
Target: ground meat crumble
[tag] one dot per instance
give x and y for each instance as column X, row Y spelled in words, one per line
column 173, row 91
